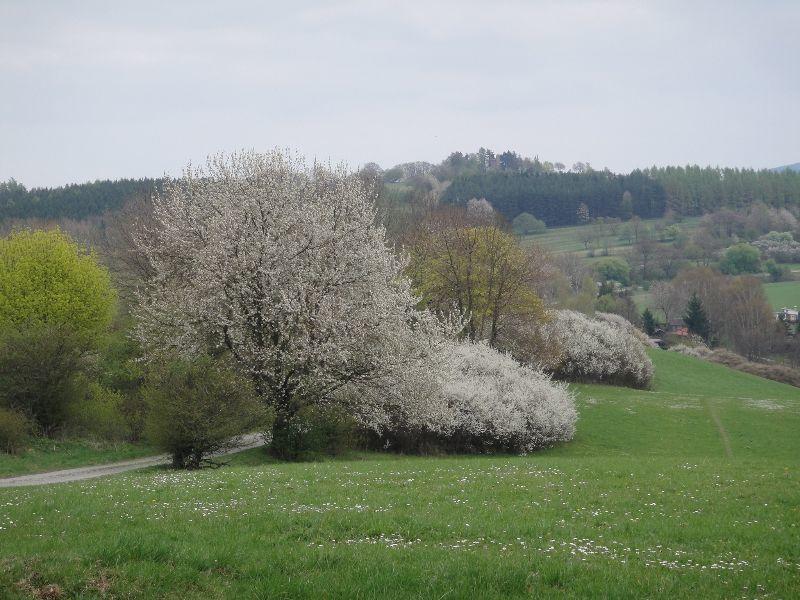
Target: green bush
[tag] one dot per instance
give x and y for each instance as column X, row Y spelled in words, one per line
column 196, row 407
column 613, row 269
column 99, row 414
column 776, row 272
column 317, row 431
column 526, row 224
column 40, row 369
column 14, row 431
column 741, row 258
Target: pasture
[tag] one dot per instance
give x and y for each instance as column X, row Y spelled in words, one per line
column 563, row 240
column 691, row 489
column 783, row 294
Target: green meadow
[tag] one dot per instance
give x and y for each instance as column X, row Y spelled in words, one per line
column 688, row 490
column 783, row 294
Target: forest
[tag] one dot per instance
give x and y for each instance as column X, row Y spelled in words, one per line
column 512, row 184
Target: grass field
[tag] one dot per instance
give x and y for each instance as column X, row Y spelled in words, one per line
column 783, row 294
column 561, row 240
column 51, row 455
column 690, row 490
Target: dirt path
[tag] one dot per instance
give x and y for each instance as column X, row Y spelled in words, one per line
column 252, row 440
column 726, row 441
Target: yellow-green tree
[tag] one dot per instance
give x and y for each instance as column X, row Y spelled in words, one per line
column 481, row 271
column 47, row 279
column 56, row 302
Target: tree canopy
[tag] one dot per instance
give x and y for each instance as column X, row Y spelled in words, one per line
column 46, row 279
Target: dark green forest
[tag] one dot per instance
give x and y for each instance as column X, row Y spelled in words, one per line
column 74, row 201
column 556, row 197
column 513, row 184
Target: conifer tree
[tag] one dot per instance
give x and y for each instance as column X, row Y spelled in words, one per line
column 696, row 319
column 649, row 322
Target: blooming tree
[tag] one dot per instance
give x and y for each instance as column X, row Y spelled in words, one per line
column 283, row 265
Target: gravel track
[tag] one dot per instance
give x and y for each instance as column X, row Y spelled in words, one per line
column 246, row 442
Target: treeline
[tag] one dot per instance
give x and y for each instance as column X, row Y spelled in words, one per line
column 512, row 183
column 697, row 190
column 558, row 198
column 74, row 201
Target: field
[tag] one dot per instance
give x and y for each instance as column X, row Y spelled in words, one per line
column 561, row 240
column 783, row 294
column 689, row 490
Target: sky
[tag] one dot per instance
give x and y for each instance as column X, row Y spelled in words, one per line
column 103, row 90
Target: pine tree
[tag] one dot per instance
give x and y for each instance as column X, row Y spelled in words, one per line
column 649, row 322
column 695, row 318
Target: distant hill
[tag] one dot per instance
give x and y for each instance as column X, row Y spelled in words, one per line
column 794, row 167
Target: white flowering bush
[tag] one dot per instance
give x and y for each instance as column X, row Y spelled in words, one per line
column 485, row 401
column 780, row 246
column 498, row 402
column 591, row 350
column 623, row 324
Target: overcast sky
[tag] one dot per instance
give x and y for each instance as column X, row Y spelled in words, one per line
column 95, row 90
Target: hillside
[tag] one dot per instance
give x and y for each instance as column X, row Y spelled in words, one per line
column 792, row 167
column 688, row 490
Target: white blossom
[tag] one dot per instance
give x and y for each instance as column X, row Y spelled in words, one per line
column 478, row 396
column 284, row 265
column 589, row 349
column 493, row 397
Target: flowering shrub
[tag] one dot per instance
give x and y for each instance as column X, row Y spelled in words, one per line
column 779, row 246
column 485, row 401
column 593, row 350
column 498, row 402
column 624, row 325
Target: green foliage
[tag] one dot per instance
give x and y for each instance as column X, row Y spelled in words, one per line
column 649, row 322
column 741, row 258
column 671, row 232
column 14, row 431
column 316, row 431
column 613, row 269
column 98, row 414
column 480, row 269
column 195, row 408
column 74, row 201
column 40, row 369
column 46, row 279
column 120, row 369
column 775, row 271
column 56, row 303
column 696, row 319
column 527, row 224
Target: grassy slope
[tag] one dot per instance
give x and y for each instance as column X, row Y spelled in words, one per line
column 646, row 502
column 561, row 240
column 51, row 455
column 785, row 293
